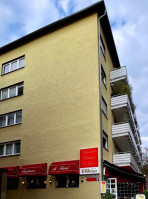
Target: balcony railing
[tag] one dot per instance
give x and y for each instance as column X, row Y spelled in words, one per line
column 118, row 74
column 121, row 108
column 123, row 136
column 125, row 160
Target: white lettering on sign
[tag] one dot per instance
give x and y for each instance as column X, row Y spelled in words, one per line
column 62, row 168
column 28, row 171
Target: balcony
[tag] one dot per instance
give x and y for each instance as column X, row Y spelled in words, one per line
column 121, row 108
column 123, row 136
column 125, row 160
column 118, row 75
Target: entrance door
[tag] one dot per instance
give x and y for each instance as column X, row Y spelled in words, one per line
column 111, row 185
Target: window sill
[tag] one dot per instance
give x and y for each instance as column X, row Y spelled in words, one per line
column 3, row 156
column 10, row 98
column 10, row 125
column 12, row 71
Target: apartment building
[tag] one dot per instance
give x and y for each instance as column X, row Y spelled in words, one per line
column 60, row 99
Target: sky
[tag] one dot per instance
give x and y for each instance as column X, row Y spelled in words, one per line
column 129, row 23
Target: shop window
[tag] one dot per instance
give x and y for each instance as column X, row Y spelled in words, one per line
column 13, row 65
column 36, row 182
column 67, row 180
column 11, row 119
column 12, row 91
column 12, row 183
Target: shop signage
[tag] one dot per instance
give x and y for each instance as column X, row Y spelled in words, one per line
column 103, row 187
column 92, row 179
column 89, row 161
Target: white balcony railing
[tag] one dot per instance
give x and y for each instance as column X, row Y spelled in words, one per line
column 118, row 74
column 124, row 160
column 125, row 114
column 123, row 136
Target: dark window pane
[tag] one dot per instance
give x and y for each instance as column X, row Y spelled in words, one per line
column 12, row 183
column 12, row 92
column 11, row 119
column 61, row 180
column 17, row 147
column 18, row 117
column 20, row 89
column 73, row 180
column 9, row 149
column 4, row 94
column 1, row 150
column 2, row 121
column 36, row 182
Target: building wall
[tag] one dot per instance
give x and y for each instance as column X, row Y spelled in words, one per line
column 60, row 105
column 107, row 121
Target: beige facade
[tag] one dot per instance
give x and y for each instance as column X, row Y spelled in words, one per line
column 60, row 103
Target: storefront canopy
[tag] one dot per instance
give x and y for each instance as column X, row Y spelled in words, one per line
column 12, row 172
column 33, row 169
column 65, row 167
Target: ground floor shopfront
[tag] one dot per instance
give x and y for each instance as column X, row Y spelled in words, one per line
column 63, row 180
column 122, row 182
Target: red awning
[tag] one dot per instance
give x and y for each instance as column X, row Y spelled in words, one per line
column 64, row 167
column 13, row 172
column 33, row 169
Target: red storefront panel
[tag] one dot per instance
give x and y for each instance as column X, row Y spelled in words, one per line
column 34, row 169
column 64, row 167
column 13, row 172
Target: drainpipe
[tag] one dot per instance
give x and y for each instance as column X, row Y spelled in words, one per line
column 100, row 95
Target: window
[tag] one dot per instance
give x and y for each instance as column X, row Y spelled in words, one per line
column 67, row 180
column 13, row 65
column 11, row 119
column 102, row 46
column 105, row 140
column 36, row 182
column 12, row 183
column 103, row 75
column 104, row 106
column 10, row 148
column 12, row 91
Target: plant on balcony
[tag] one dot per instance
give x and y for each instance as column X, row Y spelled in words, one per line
column 108, row 195
column 145, row 192
column 125, row 88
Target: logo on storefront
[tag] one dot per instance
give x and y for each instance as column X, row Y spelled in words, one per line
column 62, row 168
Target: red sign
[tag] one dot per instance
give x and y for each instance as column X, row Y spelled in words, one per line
column 89, row 161
column 64, row 167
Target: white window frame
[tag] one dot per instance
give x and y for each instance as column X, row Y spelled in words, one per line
column 13, row 147
column 6, row 120
column 8, row 91
column 10, row 65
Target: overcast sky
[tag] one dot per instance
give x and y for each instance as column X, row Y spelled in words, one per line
column 129, row 22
